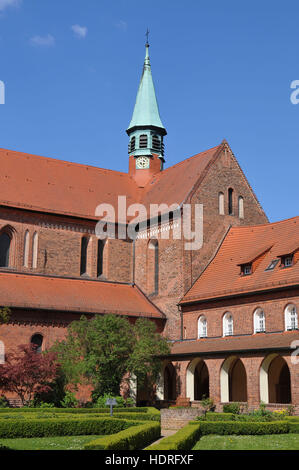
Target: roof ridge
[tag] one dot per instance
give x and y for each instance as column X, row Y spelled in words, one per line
column 237, row 227
column 42, row 157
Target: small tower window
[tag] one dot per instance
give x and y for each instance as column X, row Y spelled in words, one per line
column 35, row 250
column 26, row 249
column 156, row 143
column 143, row 141
column 230, row 201
column 132, row 145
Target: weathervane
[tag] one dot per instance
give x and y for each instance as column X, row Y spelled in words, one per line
column 147, row 33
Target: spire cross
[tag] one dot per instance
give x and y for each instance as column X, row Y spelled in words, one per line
column 147, row 33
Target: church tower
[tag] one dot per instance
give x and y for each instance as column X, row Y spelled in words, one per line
column 146, row 131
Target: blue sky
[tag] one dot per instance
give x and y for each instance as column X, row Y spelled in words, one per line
column 221, row 70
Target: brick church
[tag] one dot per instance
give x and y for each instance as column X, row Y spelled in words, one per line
column 229, row 307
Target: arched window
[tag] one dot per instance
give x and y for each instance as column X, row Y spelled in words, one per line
column 259, row 321
column 153, row 267
column 34, row 250
column 5, row 242
column 37, row 342
column 228, row 324
column 26, row 249
column 83, row 263
column 241, row 207
column 143, row 141
column 221, row 203
column 156, row 143
column 2, row 353
column 230, row 201
column 100, row 263
column 202, row 327
column 291, row 318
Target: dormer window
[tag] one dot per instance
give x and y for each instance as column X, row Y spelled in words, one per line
column 272, row 265
column 246, row 269
column 287, row 261
column 143, row 141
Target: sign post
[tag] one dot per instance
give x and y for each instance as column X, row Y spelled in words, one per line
column 111, row 402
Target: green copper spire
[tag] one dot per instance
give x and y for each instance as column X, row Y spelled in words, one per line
column 146, row 111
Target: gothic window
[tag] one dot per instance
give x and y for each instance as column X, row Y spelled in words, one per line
column 230, row 201
column 34, row 250
column 26, row 249
column 83, row 263
column 37, row 342
column 5, row 243
column 291, row 318
column 100, row 257
column 228, row 325
column 143, row 141
column 241, row 207
column 202, row 327
column 259, row 321
column 221, row 203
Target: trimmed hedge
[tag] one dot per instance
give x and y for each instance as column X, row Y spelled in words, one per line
column 293, row 427
column 243, row 428
column 49, row 415
column 130, row 439
column 184, row 439
column 80, row 410
column 63, row 427
column 220, row 416
column 140, row 417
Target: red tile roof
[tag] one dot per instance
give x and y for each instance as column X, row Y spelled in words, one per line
column 55, row 186
column 222, row 276
column 258, row 342
column 74, row 295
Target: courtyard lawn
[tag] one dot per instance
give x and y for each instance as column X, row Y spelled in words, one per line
column 267, row 442
column 48, row 443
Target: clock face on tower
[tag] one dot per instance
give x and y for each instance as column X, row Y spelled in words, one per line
column 142, row 163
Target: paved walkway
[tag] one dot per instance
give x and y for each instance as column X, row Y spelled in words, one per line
column 165, row 433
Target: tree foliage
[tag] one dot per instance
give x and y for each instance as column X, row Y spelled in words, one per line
column 101, row 351
column 27, row 372
column 4, row 315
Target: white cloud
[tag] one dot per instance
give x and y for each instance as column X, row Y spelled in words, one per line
column 47, row 40
column 9, row 3
column 79, row 31
column 123, row 25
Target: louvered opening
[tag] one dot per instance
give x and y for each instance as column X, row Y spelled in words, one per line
column 143, row 141
column 156, row 142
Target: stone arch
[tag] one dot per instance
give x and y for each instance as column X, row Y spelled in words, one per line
column 169, row 382
column 233, row 380
column 197, row 380
column 275, row 380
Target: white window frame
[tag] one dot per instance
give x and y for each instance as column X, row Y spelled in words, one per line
column 259, row 321
column 228, row 324
column 202, row 327
column 291, row 317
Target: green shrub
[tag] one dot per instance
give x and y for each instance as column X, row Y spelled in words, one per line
column 243, row 428
column 233, row 407
column 184, row 439
column 120, row 401
column 80, row 410
column 130, row 439
column 220, row 417
column 293, row 427
column 4, row 403
column 69, row 400
column 13, row 428
column 140, row 417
